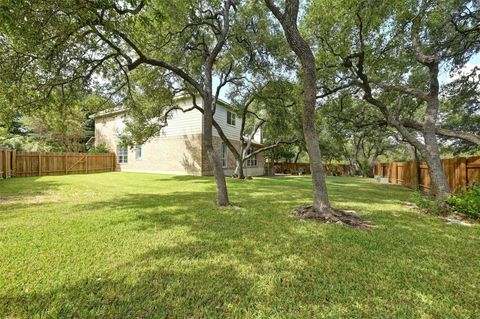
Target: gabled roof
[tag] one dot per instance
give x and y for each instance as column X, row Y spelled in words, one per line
column 114, row 111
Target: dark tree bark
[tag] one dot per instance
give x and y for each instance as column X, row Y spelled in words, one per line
column 209, row 105
column 215, row 161
column 297, row 156
column 288, row 21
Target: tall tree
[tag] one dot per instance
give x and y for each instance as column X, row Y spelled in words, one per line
column 102, row 43
column 288, row 20
column 394, row 52
column 321, row 209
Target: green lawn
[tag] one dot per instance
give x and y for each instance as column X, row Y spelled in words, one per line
column 143, row 245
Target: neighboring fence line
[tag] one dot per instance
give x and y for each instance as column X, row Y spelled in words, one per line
column 331, row 169
column 460, row 171
column 13, row 163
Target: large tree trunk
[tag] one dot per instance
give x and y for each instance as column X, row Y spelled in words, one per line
column 300, row 47
column 431, row 154
column 213, row 158
column 239, row 172
column 441, row 188
column 320, row 195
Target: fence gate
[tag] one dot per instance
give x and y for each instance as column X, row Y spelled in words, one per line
column 76, row 164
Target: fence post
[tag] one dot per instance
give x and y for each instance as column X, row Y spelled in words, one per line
column 460, row 173
column 86, row 163
column 419, row 174
column 8, row 155
column 396, row 173
column 65, row 162
column 5, row 164
column 39, row 163
column 14, row 162
column 3, row 161
column 415, row 175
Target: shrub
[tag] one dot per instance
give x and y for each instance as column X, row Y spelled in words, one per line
column 427, row 204
column 100, row 148
column 467, row 202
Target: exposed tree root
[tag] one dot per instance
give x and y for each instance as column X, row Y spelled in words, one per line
column 347, row 218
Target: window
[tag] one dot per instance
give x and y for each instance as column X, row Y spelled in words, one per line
column 138, row 152
column 122, row 155
column 231, row 118
column 251, row 161
column 224, row 155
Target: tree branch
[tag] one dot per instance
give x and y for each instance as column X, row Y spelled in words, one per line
column 466, row 136
column 402, row 89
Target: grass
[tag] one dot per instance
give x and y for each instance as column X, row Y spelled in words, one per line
column 141, row 245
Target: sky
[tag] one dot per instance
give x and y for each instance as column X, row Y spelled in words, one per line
column 445, row 77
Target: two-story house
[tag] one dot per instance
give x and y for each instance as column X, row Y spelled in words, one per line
column 179, row 148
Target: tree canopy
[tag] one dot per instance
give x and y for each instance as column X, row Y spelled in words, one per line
column 350, row 81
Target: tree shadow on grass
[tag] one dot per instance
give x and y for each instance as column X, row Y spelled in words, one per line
column 26, row 186
column 23, row 192
column 159, row 292
column 258, row 262
column 246, row 263
column 212, row 276
column 188, row 178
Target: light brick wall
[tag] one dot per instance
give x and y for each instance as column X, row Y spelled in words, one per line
column 179, row 154
column 176, row 155
column 170, row 155
column 105, row 132
column 229, row 170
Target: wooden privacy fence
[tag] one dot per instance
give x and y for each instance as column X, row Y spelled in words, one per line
column 331, row 169
column 13, row 163
column 460, row 171
column 5, row 163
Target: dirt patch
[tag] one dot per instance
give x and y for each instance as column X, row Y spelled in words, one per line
column 449, row 216
column 459, row 219
column 347, row 218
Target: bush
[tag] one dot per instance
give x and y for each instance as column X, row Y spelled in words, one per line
column 427, row 204
column 100, row 148
column 467, row 202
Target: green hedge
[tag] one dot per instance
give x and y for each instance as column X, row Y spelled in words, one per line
column 467, row 202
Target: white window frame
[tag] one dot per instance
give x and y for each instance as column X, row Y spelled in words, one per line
column 224, row 155
column 122, row 155
column 252, row 161
column 138, row 148
column 231, row 118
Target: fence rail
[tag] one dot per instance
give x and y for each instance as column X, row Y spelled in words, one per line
column 13, row 163
column 460, row 172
